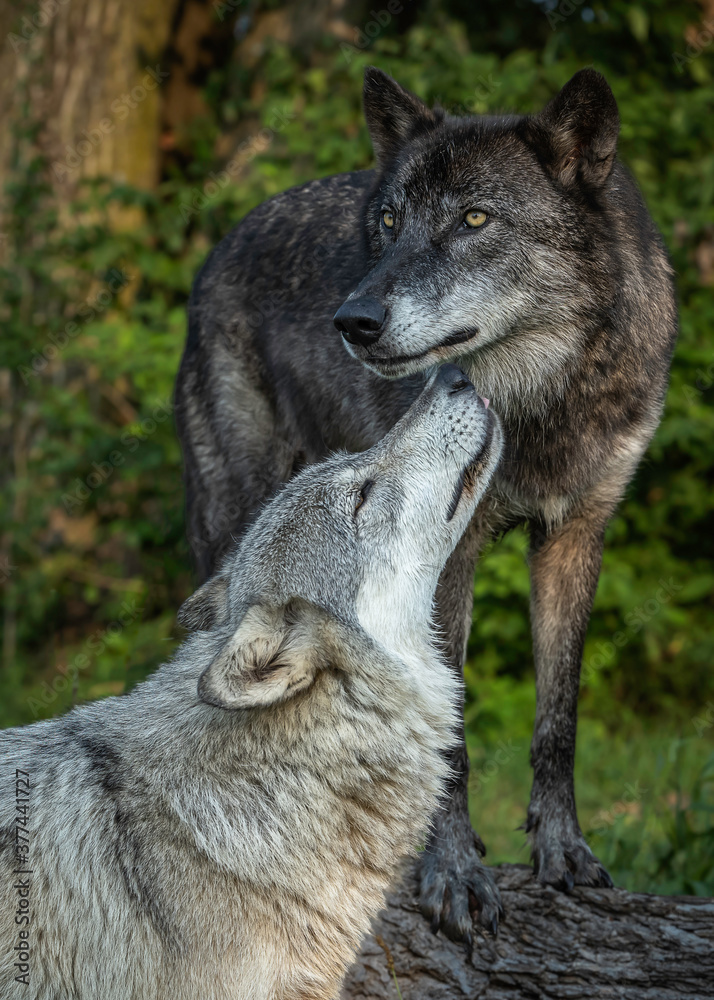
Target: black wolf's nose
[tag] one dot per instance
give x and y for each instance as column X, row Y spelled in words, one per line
column 452, row 378
column 360, row 321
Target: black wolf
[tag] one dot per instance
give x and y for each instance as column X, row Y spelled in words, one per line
column 517, row 246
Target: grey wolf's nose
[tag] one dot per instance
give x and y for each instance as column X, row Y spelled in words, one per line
column 452, row 378
column 360, row 321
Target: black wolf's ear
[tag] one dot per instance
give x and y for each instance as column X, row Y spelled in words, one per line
column 207, row 606
column 274, row 654
column 576, row 133
column 393, row 114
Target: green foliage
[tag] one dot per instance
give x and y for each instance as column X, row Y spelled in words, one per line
column 661, row 838
column 93, row 554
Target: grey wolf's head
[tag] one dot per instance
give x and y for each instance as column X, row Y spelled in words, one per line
column 482, row 229
column 361, row 538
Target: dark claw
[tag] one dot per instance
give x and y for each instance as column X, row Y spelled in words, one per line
column 605, row 880
column 493, row 926
column 469, row 942
column 567, row 882
column 563, row 859
column 456, row 891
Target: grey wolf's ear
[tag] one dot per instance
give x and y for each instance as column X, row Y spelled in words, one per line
column 207, row 607
column 274, row 654
column 576, row 133
column 393, row 115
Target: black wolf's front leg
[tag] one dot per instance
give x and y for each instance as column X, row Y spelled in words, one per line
column 565, row 566
column 455, row 886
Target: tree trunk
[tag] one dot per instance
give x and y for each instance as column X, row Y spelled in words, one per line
column 117, row 85
column 85, row 69
column 591, row 944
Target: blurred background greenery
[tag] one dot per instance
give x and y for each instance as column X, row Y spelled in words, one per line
column 116, row 125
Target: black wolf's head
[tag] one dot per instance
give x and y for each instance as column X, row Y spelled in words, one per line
column 482, row 230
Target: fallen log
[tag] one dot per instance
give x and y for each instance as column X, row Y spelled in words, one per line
column 594, row 944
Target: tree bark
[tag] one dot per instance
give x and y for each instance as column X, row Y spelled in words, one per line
column 82, row 69
column 593, row 943
column 80, row 63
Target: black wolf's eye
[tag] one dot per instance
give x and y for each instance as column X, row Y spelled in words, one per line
column 363, row 493
column 388, row 218
column 475, row 218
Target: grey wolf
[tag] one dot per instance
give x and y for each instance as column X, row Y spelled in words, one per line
column 517, row 246
column 229, row 827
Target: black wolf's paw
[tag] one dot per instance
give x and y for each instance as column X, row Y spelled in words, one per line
column 456, row 889
column 562, row 858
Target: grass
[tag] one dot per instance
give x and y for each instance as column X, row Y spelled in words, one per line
column 645, row 792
